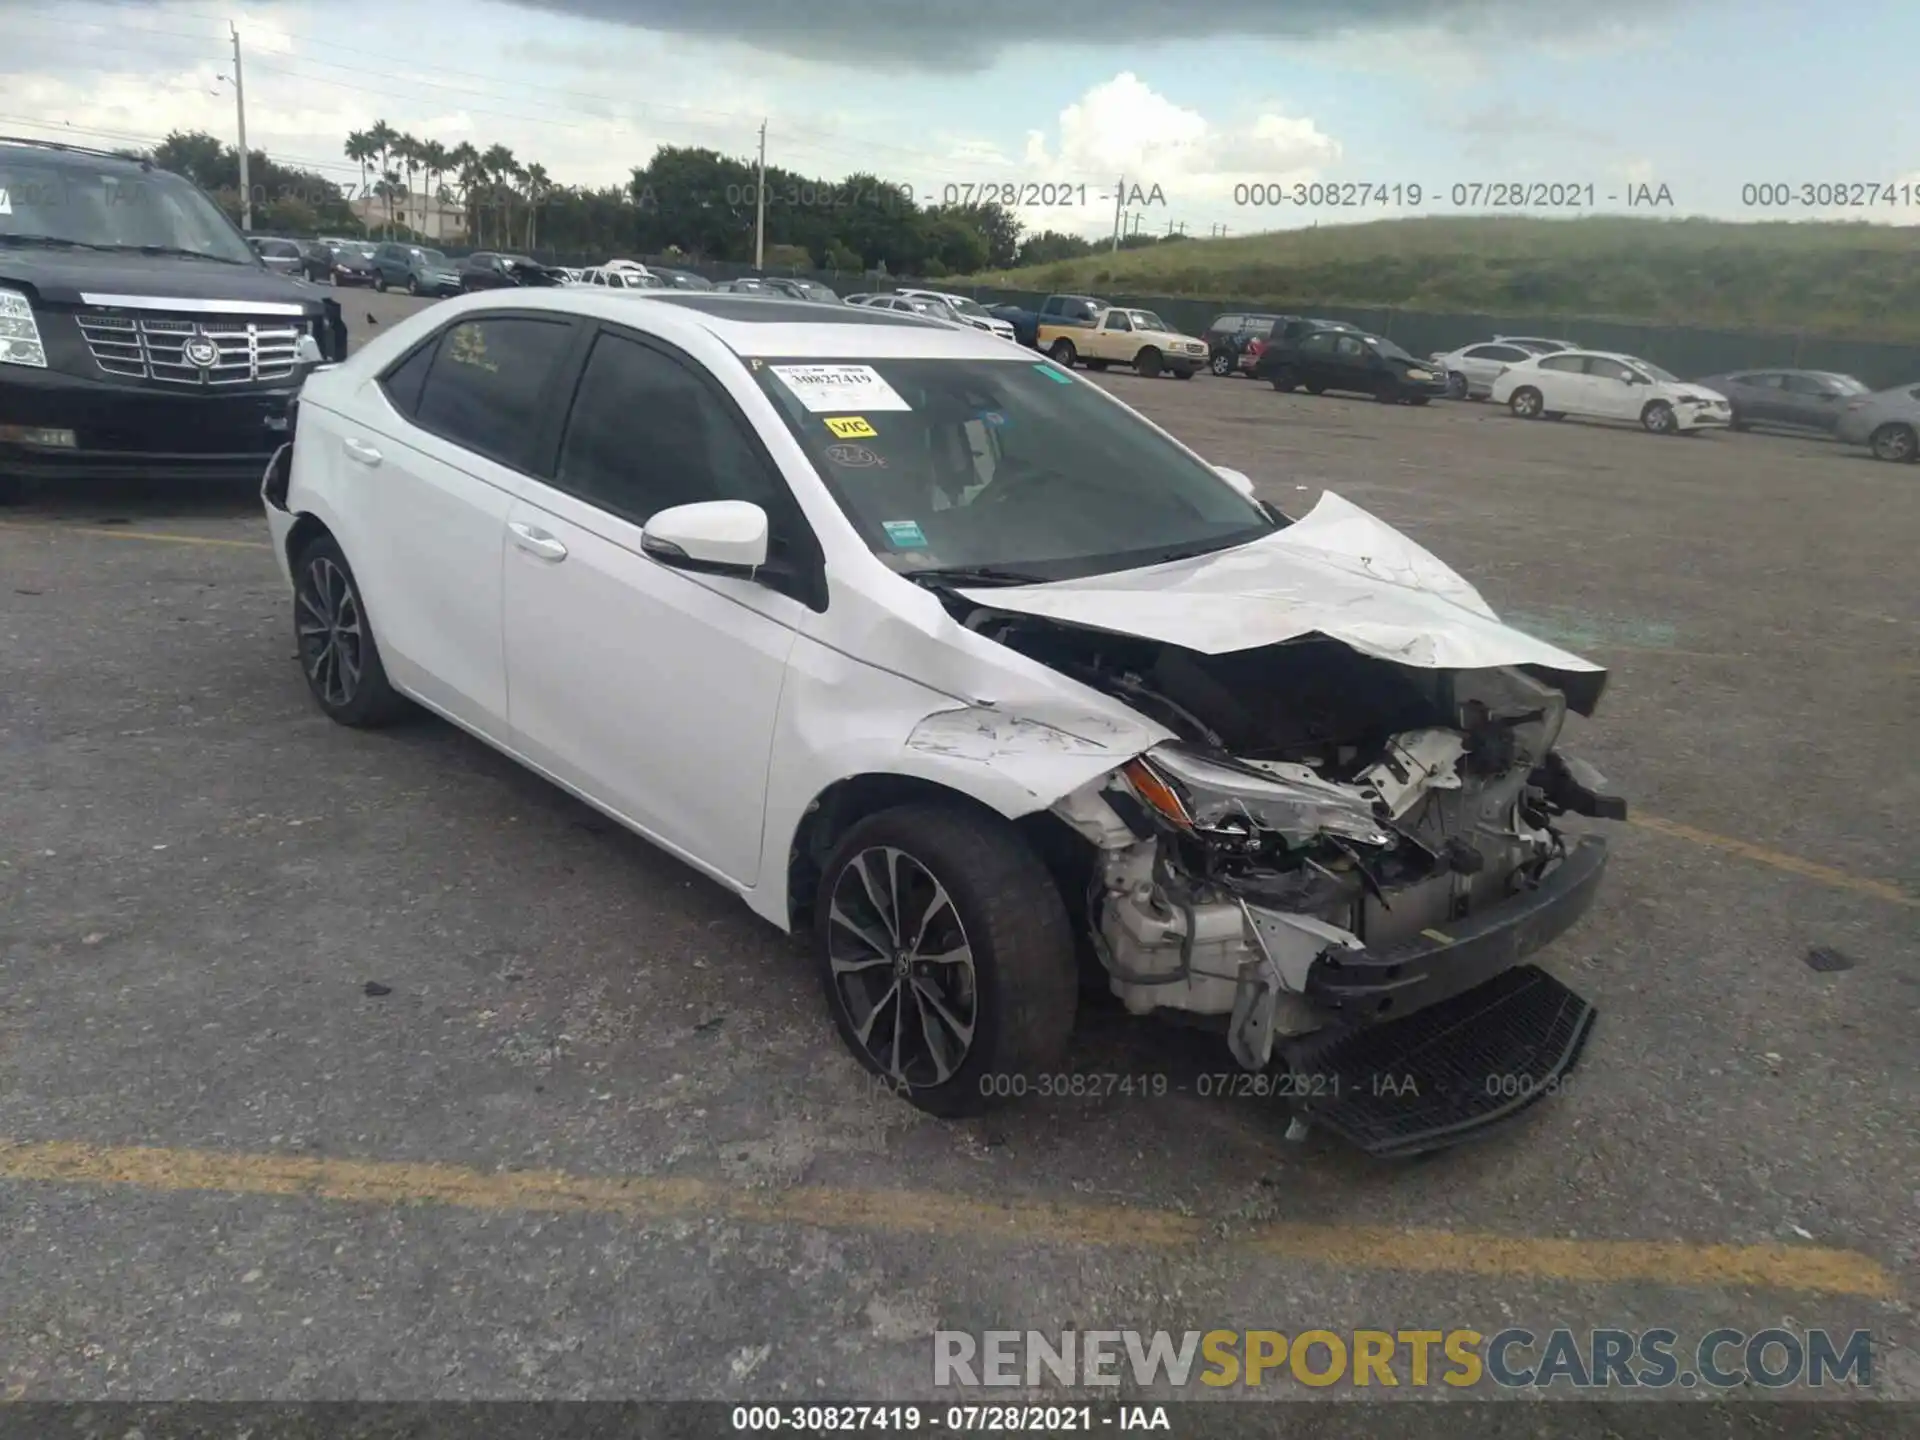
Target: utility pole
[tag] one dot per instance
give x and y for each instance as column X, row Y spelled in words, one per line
column 1119, row 218
column 240, row 105
column 760, row 206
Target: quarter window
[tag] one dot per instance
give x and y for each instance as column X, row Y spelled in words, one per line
column 487, row 388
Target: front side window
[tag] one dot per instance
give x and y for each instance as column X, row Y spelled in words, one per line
column 487, row 386
column 647, row 433
column 1001, row 463
column 1609, row 369
column 1118, row 321
column 1567, row 364
column 63, row 199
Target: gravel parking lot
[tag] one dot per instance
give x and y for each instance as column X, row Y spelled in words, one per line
column 339, row 1064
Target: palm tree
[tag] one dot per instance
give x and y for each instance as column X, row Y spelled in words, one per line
column 406, row 152
column 500, row 165
column 383, row 137
column 539, row 186
column 464, row 161
column 361, row 150
column 434, row 159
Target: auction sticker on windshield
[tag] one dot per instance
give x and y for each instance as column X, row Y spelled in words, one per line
column 845, row 388
column 851, row 427
column 905, row 534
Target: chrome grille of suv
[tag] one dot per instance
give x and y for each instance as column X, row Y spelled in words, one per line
column 154, row 347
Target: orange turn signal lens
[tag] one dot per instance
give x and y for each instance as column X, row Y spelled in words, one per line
column 1157, row 793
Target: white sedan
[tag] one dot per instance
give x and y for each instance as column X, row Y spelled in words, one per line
column 1605, row 386
column 946, row 658
column 1472, row 369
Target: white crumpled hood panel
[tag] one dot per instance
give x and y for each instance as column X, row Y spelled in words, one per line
column 1339, row 572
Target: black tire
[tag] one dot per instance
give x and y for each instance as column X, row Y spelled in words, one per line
column 1456, row 385
column 1388, row 395
column 1526, row 403
column 1285, row 382
column 1554, row 415
column 380, row 283
column 1063, row 352
column 1657, row 418
column 1183, row 374
column 1418, row 399
column 356, row 690
column 1738, row 422
column 1147, row 364
column 1096, row 365
column 1314, row 389
column 413, row 285
column 1222, row 364
column 1021, row 985
column 1895, row 443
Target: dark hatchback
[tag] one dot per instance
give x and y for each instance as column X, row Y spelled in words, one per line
column 1352, row 360
column 487, row 270
column 140, row 335
column 351, row 265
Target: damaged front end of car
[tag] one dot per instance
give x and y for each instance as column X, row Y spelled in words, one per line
column 1343, row 863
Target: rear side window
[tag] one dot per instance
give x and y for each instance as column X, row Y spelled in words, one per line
column 404, row 381
column 488, row 385
column 1573, row 364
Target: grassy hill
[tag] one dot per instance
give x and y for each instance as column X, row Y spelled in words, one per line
column 1851, row 280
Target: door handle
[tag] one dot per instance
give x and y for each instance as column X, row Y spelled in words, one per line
column 361, row 451
column 537, row 542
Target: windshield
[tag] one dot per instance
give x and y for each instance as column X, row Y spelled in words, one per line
column 1391, row 351
column 431, row 257
column 1146, row 320
column 1001, row 463
column 71, row 198
column 1847, row 385
column 969, row 307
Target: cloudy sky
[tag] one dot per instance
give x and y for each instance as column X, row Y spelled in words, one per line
column 1203, row 100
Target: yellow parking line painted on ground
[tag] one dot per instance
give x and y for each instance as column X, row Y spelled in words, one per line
column 1803, row 1268
column 1792, row 864
column 115, row 533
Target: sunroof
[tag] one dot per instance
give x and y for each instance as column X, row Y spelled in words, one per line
column 766, row 310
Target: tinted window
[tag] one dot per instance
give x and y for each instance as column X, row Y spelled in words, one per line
column 1347, row 347
column 1573, row 364
column 1321, row 344
column 1762, row 381
column 403, row 382
column 1609, row 369
column 1118, row 321
column 488, row 381
column 1509, row 354
column 1809, row 385
column 648, row 433
column 1228, row 323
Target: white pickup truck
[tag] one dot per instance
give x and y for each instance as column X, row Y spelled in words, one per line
column 1124, row 336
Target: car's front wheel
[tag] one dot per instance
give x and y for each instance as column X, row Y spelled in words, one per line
column 1147, row 363
column 1456, row 385
column 947, row 956
column 1658, row 418
column 1894, row 442
column 413, row 285
column 338, row 653
column 1527, row 403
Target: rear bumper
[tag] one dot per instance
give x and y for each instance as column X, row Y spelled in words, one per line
column 127, row 432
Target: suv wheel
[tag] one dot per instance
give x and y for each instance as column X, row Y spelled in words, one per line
column 380, row 281
column 413, row 285
column 946, row 956
column 1221, row 364
column 338, row 654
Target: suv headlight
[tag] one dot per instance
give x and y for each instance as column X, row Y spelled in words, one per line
column 19, row 333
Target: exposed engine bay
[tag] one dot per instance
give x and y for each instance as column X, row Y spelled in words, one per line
column 1321, row 810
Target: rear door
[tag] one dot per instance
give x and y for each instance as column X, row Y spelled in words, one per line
column 1762, row 396
column 651, row 689
column 429, row 464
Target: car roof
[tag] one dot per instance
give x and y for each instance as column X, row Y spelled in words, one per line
column 752, row 325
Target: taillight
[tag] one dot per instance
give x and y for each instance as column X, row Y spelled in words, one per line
column 1255, row 347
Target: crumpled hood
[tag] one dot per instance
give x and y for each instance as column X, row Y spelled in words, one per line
column 1339, row 572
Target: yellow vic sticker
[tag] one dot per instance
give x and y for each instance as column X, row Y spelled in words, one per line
column 852, row 427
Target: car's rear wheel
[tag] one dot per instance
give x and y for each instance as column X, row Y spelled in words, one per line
column 1147, row 363
column 1418, row 399
column 1527, row 403
column 1658, row 418
column 1285, row 381
column 946, row 955
column 1737, row 421
column 338, row 653
column 1894, row 442
column 1314, row 389
column 1183, row 374
column 380, row 283
column 1063, row 353
column 1221, row 364
column 1456, row 385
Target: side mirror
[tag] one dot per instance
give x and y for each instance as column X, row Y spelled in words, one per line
column 1235, row 478
column 715, row 537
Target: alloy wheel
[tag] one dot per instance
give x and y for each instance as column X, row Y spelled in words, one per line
column 902, row 967
column 1222, row 364
column 1893, row 442
column 331, row 635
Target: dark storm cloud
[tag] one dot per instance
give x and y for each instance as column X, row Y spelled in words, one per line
column 945, row 35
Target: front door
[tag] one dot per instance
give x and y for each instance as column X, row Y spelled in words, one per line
column 650, row 689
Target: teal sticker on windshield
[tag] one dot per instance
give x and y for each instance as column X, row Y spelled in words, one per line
column 993, row 418
column 904, row 534
column 1054, row 373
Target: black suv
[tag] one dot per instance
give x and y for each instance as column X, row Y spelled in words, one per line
column 140, row 335
column 1229, row 338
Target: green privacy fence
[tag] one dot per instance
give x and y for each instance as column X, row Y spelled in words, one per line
column 1685, row 350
